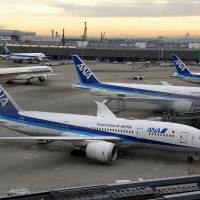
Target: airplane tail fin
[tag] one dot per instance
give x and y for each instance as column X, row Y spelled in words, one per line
column 7, row 105
column 181, row 67
column 84, row 73
column 103, row 110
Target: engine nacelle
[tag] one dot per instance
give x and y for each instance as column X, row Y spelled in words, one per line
column 102, row 151
column 43, row 78
column 182, row 106
column 39, row 59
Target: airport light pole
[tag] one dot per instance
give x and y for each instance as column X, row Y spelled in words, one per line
column 82, row 49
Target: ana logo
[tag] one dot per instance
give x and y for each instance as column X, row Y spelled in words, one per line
column 85, row 71
column 180, row 65
column 3, row 99
column 156, row 130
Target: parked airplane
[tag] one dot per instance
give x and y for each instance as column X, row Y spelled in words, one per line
column 97, row 136
column 25, row 73
column 19, row 57
column 178, row 98
column 182, row 71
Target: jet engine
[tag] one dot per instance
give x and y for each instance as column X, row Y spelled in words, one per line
column 39, row 59
column 43, row 78
column 182, row 106
column 102, row 151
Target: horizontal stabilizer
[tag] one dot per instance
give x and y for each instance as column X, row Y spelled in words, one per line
column 78, row 86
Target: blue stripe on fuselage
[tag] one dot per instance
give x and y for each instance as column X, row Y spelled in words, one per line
column 138, row 91
column 189, row 76
column 77, row 129
column 19, row 55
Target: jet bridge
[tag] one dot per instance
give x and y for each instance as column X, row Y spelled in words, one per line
column 189, row 118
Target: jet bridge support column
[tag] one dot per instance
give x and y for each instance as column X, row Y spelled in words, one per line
column 117, row 105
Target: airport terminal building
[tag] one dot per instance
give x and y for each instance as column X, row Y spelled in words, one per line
column 17, row 36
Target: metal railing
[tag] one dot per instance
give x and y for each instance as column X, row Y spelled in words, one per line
column 174, row 188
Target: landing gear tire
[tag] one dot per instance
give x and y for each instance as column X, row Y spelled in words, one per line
column 77, row 153
column 28, row 83
column 10, row 82
column 190, row 159
column 45, row 141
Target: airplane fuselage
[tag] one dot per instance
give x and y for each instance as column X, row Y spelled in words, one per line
column 193, row 78
column 179, row 98
column 141, row 133
column 23, row 73
column 26, row 56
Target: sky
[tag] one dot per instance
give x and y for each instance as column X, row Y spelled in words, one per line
column 118, row 18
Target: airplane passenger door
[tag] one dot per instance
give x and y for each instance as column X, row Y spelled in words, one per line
column 183, row 137
column 139, row 133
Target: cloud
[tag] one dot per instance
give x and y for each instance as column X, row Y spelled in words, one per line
column 2, row 26
column 129, row 8
column 102, row 8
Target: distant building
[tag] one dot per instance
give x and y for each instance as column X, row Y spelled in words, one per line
column 17, row 36
column 141, row 45
column 194, row 45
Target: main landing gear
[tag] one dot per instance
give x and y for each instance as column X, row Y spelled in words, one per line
column 45, row 141
column 28, row 82
column 77, row 153
column 10, row 82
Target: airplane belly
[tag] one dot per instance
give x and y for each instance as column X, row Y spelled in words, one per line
column 164, row 147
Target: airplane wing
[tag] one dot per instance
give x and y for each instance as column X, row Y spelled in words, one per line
column 65, row 138
column 152, row 100
column 78, row 86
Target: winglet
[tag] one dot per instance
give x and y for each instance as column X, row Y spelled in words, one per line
column 181, row 67
column 7, row 105
column 84, row 73
column 103, row 110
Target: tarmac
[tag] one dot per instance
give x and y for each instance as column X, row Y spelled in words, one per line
column 28, row 164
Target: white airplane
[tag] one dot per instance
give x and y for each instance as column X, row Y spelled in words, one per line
column 183, row 72
column 11, row 74
column 178, row 98
column 19, row 57
column 97, row 136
